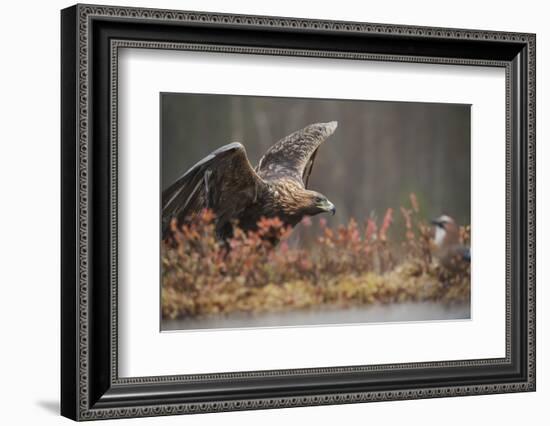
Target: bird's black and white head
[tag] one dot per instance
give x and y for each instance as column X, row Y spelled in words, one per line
column 452, row 254
column 446, row 230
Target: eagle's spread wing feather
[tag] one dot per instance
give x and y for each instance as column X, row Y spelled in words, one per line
column 223, row 181
column 293, row 156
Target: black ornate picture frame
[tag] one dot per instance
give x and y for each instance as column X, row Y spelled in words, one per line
column 91, row 37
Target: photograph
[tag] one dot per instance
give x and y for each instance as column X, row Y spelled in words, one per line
column 267, row 209
column 306, row 212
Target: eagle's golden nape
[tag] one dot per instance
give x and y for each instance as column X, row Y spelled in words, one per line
column 226, row 183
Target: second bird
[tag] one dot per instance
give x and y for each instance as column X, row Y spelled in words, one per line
column 450, row 252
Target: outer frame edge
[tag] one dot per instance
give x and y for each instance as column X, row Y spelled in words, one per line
column 83, row 412
column 69, row 358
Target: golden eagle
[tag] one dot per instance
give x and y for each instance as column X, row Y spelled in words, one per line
column 225, row 182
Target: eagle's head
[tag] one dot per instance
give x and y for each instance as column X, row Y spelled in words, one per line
column 317, row 203
column 292, row 201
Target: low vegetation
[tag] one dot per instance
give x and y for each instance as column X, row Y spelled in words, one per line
column 349, row 265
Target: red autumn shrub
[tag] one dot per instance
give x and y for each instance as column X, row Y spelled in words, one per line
column 349, row 265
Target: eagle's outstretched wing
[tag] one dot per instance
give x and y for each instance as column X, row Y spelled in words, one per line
column 223, row 181
column 293, row 156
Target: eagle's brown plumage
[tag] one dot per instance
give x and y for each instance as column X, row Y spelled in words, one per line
column 226, row 183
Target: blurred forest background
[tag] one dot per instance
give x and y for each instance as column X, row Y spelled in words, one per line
column 380, row 153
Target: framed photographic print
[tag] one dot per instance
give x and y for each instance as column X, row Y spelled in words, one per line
column 263, row 212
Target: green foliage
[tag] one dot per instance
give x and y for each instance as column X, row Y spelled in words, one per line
column 349, row 266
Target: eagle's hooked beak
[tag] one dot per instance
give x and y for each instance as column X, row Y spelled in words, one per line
column 329, row 207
